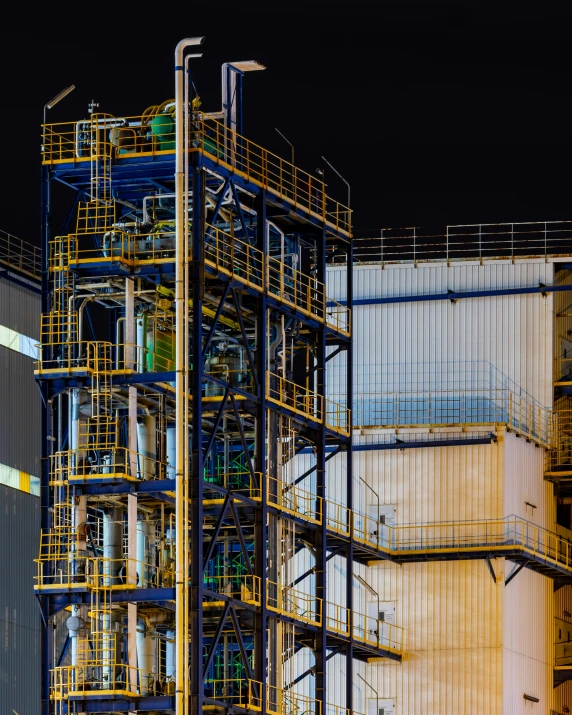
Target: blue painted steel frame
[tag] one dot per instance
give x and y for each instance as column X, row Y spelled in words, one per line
column 324, row 440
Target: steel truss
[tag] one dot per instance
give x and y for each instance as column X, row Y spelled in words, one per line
column 185, row 543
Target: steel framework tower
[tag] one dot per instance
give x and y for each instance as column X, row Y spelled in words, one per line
column 185, row 338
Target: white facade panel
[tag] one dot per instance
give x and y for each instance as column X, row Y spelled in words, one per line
column 505, row 341
column 371, row 280
column 472, row 644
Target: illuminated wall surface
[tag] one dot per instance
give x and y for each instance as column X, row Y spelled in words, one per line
column 19, row 503
column 473, row 642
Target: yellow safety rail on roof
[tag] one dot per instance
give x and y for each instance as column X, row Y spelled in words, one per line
column 124, row 137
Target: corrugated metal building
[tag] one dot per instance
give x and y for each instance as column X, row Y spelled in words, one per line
column 20, row 631
column 476, row 374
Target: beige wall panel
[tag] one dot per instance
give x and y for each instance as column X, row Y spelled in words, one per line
column 526, row 493
column 452, row 613
column 433, row 484
column 525, row 675
column 442, row 682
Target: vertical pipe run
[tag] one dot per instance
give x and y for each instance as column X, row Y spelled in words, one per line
column 181, row 370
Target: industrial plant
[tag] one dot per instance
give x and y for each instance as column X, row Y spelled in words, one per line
column 281, row 468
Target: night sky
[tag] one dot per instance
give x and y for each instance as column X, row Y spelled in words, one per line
column 435, row 112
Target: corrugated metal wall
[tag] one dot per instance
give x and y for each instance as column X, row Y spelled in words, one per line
column 434, row 484
column 19, row 309
column 20, row 632
column 529, row 597
column 563, row 612
column 526, row 493
column 452, row 613
column 20, row 419
column 19, row 613
column 528, row 659
column 472, row 644
column 511, row 334
column 563, row 319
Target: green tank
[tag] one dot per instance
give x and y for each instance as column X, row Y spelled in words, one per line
column 163, row 129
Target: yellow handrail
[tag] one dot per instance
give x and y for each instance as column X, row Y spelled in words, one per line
column 223, row 252
column 293, row 603
column 117, row 137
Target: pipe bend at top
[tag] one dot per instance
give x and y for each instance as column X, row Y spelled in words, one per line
column 187, row 42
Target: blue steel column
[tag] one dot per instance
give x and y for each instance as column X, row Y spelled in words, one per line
column 196, row 450
column 261, row 466
column 349, row 486
column 321, row 537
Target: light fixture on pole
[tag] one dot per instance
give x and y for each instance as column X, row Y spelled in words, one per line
column 369, row 685
column 58, row 98
column 372, row 490
column 369, row 588
column 52, row 103
column 287, row 142
column 341, row 177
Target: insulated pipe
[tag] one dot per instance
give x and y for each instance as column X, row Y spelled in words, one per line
column 75, row 623
column 170, row 655
column 146, row 445
column 112, row 545
column 145, row 658
column 78, row 552
column 181, row 705
column 171, row 452
column 144, row 558
column 141, row 338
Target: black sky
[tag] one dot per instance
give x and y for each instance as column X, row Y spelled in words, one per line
column 435, row 112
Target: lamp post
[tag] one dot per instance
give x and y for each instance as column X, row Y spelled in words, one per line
column 372, row 490
column 369, row 685
column 341, row 177
column 52, row 103
column 371, row 589
column 287, row 142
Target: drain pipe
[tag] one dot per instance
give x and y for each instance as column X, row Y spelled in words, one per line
column 181, row 160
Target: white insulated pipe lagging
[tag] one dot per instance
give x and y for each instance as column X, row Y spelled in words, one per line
column 180, row 366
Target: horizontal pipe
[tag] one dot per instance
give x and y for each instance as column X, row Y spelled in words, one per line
column 418, row 445
column 452, row 295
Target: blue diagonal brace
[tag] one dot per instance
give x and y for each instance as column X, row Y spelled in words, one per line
column 218, row 527
column 216, row 639
column 243, row 441
column 241, row 647
column 216, row 319
column 216, row 424
column 244, row 336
